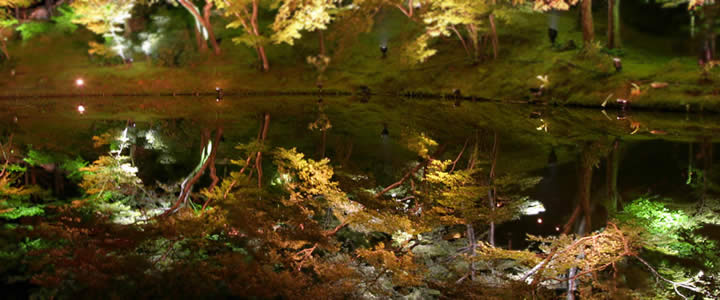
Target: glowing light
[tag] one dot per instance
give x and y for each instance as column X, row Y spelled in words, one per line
column 557, row 228
column 393, row 195
column 79, row 82
column 532, row 208
column 146, row 47
column 539, row 220
column 81, row 109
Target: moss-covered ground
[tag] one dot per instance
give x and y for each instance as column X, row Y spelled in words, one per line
column 50, row 63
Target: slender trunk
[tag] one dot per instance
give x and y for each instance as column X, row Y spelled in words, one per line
column 17, row 13
column 473, row 34
column 58, row 183
column 493, row 33
column 584, row 190
column 201, row 45
column 322, row 42
column 203, row 23
column 611, row 25
column 572, row 286
column 691, row 154
column 263, row 57
column 462, row 40
column 208, row 27
column 472, row 245
column 3, row 48
column 617, row 39
column 128, row 29
column 256, row 32
column 49, row 7
column 587, row 23
column 492, row 191
column 692, row 23
column 197, row 173
column 258, row 159
column 213, row 173
column 324, row 142
column 612, row 167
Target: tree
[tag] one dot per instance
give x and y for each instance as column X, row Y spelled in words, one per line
column 613, row 31
column 106, row 18
column 446, row 18
column 586, row 20
column 588, row 29
column 294, row 16
column 203, row 27
column 244, row 13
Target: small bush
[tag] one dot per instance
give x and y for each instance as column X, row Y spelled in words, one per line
column 63, row 21
column 31, row 29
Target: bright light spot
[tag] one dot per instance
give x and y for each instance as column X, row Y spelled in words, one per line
column 147, row 47
column 393, row 195
column 128, row 169
column 79, row 82
column 81, row 109
column 217, row 99
column 557, row 228
column 532, row 208
column 401, row 237
column 539, row 220
column 150, row 137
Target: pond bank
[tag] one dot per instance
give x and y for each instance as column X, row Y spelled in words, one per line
column 670, row 103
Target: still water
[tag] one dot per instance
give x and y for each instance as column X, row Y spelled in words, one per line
column 636, row 153
column 655, row 151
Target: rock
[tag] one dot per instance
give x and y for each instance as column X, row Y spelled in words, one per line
column 659, row 85
column 40, row 13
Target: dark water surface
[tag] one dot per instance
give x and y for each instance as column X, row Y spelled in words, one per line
column 653, row 152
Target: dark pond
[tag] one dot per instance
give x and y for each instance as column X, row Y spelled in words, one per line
column 635, row 154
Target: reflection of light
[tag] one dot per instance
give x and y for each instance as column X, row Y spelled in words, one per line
column 557, row 228
column 539, row 220
column 79, row 82
column 393, row 195
column 81, row 109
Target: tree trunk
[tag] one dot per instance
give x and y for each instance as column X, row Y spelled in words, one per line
column 49, row 7
column 587, row 23
column 322, row 42
column 611, row 25
column 128, row 29
column 472, row 244
column 256, row 32
column 263, row 57
column 208, row 27
column 324, row 143
column 258, row 159
column 492, row 191
column 584, row 189
column 493, row 33
column 204, row 22
column 3, row 48
column 612, row 167
column 201, row 45
column 617, row 39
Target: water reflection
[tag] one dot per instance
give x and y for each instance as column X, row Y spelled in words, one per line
column 582, row 171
